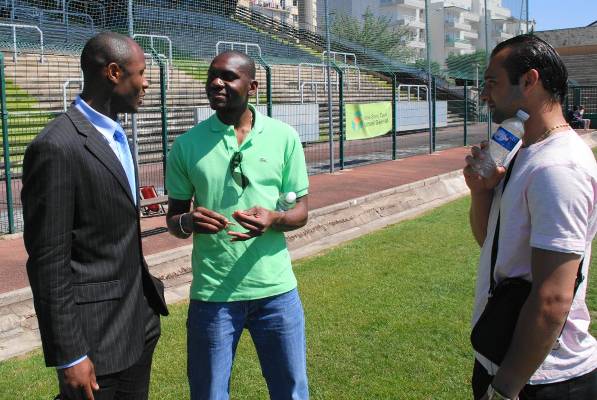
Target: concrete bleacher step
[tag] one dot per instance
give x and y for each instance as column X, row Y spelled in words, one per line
column 43, row 82
column 581, row 68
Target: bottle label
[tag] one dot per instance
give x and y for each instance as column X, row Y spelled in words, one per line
column 505, row 138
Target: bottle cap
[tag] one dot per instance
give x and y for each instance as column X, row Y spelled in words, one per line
column 290, row 197
column 522, row 115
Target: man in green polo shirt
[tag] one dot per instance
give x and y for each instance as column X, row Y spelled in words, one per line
column 233, row 166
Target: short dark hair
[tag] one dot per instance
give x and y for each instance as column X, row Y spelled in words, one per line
column 248, row 61
column 102, row 49
column 530, row 52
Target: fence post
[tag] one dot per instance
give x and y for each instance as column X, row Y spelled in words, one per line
column 164, row 111
column 268, row 80
column 433, row 119
column 465, row 113
column 576, row 96
column 5, row 146
column 394, row 119
column 341, row 130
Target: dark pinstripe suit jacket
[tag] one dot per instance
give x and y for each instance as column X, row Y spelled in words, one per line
column 82, row 234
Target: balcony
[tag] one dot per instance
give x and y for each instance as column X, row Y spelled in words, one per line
column 416, row 43
column 501, row 36
column 470, row 35
column 470, row 16
column 274, row 7
column 500, row 12
column 410, row 22
column 457, row 25
column 458, row 44
column 415, row 4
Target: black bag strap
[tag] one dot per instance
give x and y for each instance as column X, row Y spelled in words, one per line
column 494, row 247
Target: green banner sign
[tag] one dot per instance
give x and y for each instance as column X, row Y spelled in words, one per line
column 368, row 120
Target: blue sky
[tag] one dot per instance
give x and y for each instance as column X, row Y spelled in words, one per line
column 558, row 14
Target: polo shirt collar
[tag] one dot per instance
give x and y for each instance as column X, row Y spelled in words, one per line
column 218, row 126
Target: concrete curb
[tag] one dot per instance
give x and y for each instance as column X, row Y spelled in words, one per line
column 328, row 227
column 11, row 236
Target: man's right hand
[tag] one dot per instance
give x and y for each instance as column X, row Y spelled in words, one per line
column 82, row 377
column 475, row 182
column 202, row 220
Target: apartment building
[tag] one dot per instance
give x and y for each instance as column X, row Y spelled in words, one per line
column 307, row 11
column 409, row 14
column 286, row 11
column 456, row 26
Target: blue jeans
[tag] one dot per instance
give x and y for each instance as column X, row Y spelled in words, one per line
column 277, row 327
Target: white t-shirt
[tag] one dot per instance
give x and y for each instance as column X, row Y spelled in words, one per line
column 549, row 203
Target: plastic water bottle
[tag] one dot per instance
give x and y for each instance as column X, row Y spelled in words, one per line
column 505, row 139
column 286, row 201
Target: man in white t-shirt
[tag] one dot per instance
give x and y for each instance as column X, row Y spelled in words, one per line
column 548, row 219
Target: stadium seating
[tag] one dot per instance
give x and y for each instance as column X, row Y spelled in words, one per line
column 38, row 94
column 581, row 69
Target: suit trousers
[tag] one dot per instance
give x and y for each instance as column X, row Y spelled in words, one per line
column 583, row 387
column 129, row 384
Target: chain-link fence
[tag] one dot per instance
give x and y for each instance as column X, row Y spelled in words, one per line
column 400, row 77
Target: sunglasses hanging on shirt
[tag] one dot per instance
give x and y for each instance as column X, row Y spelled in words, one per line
column 239, row 177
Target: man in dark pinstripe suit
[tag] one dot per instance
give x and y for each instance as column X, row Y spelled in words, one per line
column 97, row 305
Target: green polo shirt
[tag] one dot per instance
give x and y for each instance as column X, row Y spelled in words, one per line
column 199, row 168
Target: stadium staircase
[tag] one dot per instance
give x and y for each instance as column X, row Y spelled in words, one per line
column 35, row 90
column 581, row 69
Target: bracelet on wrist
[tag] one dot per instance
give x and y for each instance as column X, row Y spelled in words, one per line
column 180, row 225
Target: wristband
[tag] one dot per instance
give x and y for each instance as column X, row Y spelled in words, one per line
column 180, row 225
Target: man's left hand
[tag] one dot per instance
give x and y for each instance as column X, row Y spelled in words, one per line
column 256, row 220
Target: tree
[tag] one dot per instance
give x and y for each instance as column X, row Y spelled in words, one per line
column 466, row 66
column 422, row 64
column 376, row 33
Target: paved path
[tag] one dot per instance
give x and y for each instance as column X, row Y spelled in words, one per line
column 325, row 189
column 379, row 195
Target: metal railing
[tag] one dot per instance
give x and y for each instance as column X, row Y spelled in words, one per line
column 312, row 67
column 246, row 45
column 349, row 67
column 39, row 13
column 158, row 57
column 418, row 91
column 312, row 84
column 65, row 86
column 66, row 13
column 14, row 38
column 155, row 54
column 75, row 14
column 346, row 56
column 151, row 43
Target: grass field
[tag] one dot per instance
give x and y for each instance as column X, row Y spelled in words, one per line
column 387, row 318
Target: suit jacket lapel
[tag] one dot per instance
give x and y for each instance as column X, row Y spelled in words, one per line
column 97, row 145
